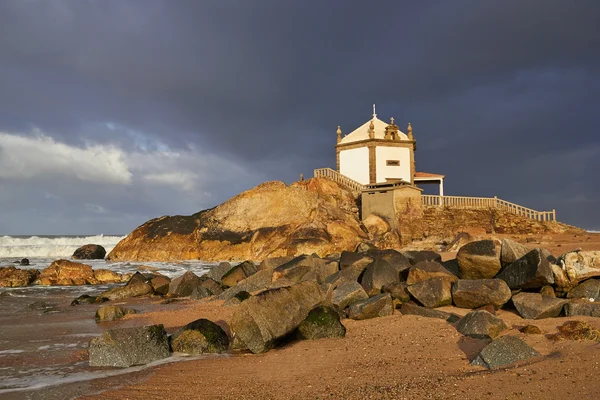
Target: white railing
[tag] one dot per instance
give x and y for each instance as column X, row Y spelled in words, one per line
column 343, row 180
column 479, row 203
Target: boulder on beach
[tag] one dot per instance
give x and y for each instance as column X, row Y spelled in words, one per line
column 426, row 270
column 589, row 289
column 89, row 252
column 481, row 325
column 537, row 306
column 138, row 286
column 262, row 319
column 200, row 337
column 14, row 277
column 432, row 293
column 66, row 273
column 580, row 265
column 348, row 293
column 321, row 322
column 112, row 313
column 378, row 274
column 126, row 347
column 414, row 309
column 504, row 351
column 377, row 306
column 480, row 292
column 270, row 220
column 184, row 285
column 511, row 251
column 531, row 271
column 238, row 273
column 478, row 260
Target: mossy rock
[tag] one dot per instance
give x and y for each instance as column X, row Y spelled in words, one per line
column 199, row 337
column 321, row 322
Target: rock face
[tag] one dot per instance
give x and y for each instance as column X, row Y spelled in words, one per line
column 112, row 313
column 531, row 271
column 580, row 265
column 536, row 306
column 478, row 260
column 258, row 321
column 480, row 325
column 378, row 306
column 321, row 322
column 129, row 346
column 504, row 351
column 432, row 293
column 272, row 219
column 199, row 337
column 13, row 277
column 89, row 252
column 479, row 292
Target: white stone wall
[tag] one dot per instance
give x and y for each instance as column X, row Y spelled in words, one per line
column 354, row 164
column 391, row 153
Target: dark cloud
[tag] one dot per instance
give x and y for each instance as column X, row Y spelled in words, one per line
column 502, row 95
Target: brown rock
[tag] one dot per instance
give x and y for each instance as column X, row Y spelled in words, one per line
column 478, row 260
column 589, row 289
column 238, row 273
column 89, row 252
column 531, row 271
column 107, row 276
column 65, row 272
column 184, row 285
column 378, row 274
column 348, row 293
column 536, row 306
column 377, row 306
column 479, row 292
column 132, row 289
column 432, row 293
column 270, row 220
column 426, row 270
column 160, row 284
column 530, row 330
column 13, row 277
column 511, row 251
column 398, row 291
column 481, row 325
column 112, row 313
column 580, row 265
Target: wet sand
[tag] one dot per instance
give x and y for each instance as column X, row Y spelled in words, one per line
column 393, row 357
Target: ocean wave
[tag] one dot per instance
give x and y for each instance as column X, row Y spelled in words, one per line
column 52, row 247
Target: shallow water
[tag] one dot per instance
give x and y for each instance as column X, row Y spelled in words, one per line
column 44, row 340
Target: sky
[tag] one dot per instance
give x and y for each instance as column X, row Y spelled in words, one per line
column 114, row 112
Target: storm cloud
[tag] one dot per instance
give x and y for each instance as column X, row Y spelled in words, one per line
column 115, row 112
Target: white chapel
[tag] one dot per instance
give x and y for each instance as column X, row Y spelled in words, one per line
column 379, row 152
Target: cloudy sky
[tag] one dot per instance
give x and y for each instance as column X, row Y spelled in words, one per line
column 113, row 112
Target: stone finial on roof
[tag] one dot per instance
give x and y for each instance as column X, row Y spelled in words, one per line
column 339, row 134
column 410, row 132
column 391, row 131
column 371, row 130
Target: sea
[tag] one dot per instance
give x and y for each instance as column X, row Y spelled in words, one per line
column 43, row 339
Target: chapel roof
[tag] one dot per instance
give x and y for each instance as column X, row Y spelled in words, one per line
column 362, row 132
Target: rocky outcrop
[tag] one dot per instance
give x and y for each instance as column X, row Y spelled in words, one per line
column 200, row 337
column 89, row 252
column 13, row 277
column 129, row 346
column 272, row 219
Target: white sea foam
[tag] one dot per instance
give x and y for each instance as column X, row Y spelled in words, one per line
column 11, row 351
column 51, row 247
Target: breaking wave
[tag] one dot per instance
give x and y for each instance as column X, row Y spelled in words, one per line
column 51, row 246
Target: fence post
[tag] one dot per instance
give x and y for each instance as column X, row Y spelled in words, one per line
column 553, row 214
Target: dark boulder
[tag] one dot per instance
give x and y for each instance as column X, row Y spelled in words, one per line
column 160, row 284
column 426, row 270
column 511, row 251
column 504, row 351
column 416, row 256
column 582, row 307
column 86, row 299
column 184, row 285
column 536, row 306
column 199, row 337
column 262, row 319
column 238, row 273
column 259, row 281
column 351, row 273
column 398, row 291
column 24, row 261
column 531, row 271
column 378, row 274
column 348, row 293
column 481, row 325
column 478, row 260
column 349, row 258
column 432, row 293
column 89, row 252
column 112, row 313
column 129, row 346
column 377, row 306
column 479, row 292
column 321, row 322
column 589, row 289
column 397, row 260
column 216, row 273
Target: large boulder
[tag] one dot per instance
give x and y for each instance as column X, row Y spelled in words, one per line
column 481, row 325
column 350, row 258
column 511, row 251
column 531, row 271
column 104, row 276
column 66, row 273
column 112, row 313
column 582, row 307
column 478, row 260
column 396, row 259
column 238, row 273
column 184, row 285
column 259, row 281
column 537, row 306
column 89, row 252
column 13, row 277
column 351, row 273
column 200, row 337
column 321, row 322
column 398, row 291
column 480, row 292
column 216, row 273
column 504, row 351
column 378, row 274
column 262, row 319
column 270, row 220
column 129, row 346
column 348, row 293
column 589, row 289
column 377, row 306
column 432, row 293
column 580, row 265
column 426, row 270
column 305, row 268
column 134, row 288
